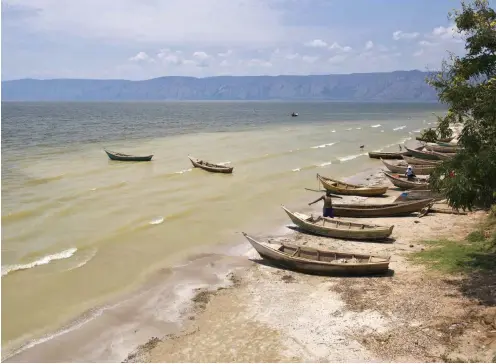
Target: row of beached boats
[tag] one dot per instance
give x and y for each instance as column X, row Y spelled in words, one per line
column 418, row 199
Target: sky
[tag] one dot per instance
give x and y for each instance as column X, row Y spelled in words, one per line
column 143, row 39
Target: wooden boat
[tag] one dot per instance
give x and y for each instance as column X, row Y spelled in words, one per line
column 386, row 155
column 445, row 140
column 417, row 194
column 450, row 144
column 379, row 210
column 127, row 158
column 315, row 261
column 338, row 228
column 405, row 184
column 441, row 148
column 216, row 168
column 443, row 156
column 401, row 168
column 418, row 161
column 391, row 155
column 423, row 154
column 343, row 188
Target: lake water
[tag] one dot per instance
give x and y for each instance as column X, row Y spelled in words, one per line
column 77, row 228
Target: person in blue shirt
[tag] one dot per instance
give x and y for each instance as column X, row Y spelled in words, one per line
column 409, row 173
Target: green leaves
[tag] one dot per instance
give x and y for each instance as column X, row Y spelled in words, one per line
column 468, row 85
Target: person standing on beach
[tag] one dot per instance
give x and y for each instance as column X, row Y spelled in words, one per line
column 327, row 210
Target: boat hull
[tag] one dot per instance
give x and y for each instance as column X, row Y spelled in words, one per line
column 418, row 169
column 128, row 158
column 214, row 168
column 340, row 229
column 405, row 184
column 423, row 155
column 342, row 188
column 314, row 261
column 383, row 210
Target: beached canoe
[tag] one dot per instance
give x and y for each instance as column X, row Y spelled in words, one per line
column 450, row 144
column 386, row 155
column 417, row 194
column 403, row 183
column 379, row 210
column 441, row 148
column 340, row 229
column 423, row 154
column 343, row 188
column 418, row 161
column 445, row 140
column 211, row 167
column 315, row 261
column 127, row 158
column 443, row 156
column 402, row 166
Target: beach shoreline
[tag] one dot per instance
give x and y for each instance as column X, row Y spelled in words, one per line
column 269, row 314
column 172, row 313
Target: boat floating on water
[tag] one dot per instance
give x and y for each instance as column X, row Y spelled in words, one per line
column 210, row 167
column 127, row 157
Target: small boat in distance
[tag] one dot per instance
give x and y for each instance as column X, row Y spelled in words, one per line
column 126, row 157
column 294, row 114
column 210, row 167
column 323, row 262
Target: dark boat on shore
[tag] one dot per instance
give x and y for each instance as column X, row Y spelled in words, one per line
column 379, row 210
column 127, row 158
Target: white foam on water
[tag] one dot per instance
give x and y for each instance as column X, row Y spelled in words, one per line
column 224, row 163
column 375, row 126
column 350, row 157
column 323, row 145
column 333, row 131
column 324, row 164
column 358, row 128
column 184, row 171
column 382, row 131
column 417, row 131
column 296, row 170
column 399, row 128
column 85, row 261
column 348, row 129
column 42, row 261
column 157, row 220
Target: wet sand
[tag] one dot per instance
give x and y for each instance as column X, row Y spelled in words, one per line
column 268, row 314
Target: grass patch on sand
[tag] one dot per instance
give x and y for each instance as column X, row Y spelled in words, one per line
column 477, row 252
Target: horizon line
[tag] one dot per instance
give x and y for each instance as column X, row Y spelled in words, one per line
column 207, row 77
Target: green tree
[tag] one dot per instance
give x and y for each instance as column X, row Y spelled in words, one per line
column 468, row 86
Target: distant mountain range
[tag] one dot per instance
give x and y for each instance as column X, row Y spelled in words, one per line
column 398, row 86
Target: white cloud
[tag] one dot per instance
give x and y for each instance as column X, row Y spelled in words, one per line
column 172, row 21
column 316, row 43
column 292, row 56
column 259, row 62
column 340, row 58
column 224, row 63
column 369, row 45
column 225, row 54
column 425, row 43
column 399, row 34
column 141, row 57
column 202, row 56
column 336, row 46
column 310, row 59
column 447, row 33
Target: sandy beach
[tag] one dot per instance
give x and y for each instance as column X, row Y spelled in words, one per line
column 268, row 314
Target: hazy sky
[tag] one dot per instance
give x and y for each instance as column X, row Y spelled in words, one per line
column 140, row 39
